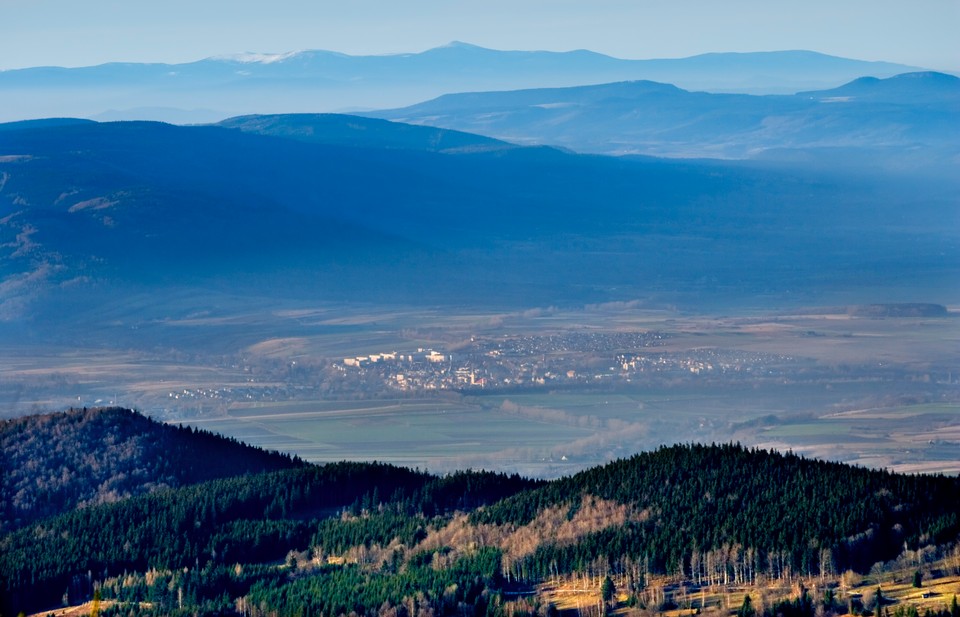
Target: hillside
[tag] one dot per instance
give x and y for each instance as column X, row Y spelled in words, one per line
column 325, row 81
column 53, row 463
column 235, row 528
column 694, row 499
column 907, row 121
column 356, row 131
column 717, row 515
column 101, row 212
column 921, row 88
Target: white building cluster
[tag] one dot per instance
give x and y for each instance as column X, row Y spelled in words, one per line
column 421, row 355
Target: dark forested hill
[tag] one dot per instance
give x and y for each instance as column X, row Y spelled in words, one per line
column 709, row 514
column 244, row 520
column 698, row 499
column 53, row 463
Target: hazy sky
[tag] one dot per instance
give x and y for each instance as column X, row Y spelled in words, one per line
column 84, row 32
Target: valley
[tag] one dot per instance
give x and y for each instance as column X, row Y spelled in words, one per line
column 553, row 390
column 523, row 334
column 543, row 284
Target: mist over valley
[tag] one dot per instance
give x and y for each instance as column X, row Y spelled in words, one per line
column 200, row 273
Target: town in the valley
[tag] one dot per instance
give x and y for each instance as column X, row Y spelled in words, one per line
column 555, row 360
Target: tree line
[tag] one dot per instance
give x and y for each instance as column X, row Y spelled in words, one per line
column 247, row 519
column 722, row 513
column 350, row 537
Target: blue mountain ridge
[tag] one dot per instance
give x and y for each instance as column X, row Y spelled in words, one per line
column 325, row 81
column 910, row 121
column 105, row 207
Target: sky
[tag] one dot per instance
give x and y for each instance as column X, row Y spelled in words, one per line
column 86, row 32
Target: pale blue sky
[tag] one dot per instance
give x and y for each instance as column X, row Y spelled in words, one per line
column 84, row 32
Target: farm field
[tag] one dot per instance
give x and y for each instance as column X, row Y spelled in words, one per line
column 549, row 434
column 439, row 436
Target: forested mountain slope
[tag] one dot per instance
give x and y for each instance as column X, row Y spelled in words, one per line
column 713, row 514
column 53, row 463
column 775, row 511
column 248, row 519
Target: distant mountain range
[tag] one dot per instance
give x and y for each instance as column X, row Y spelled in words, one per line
column 322, row 81
column 910, row 120
column 340, row 207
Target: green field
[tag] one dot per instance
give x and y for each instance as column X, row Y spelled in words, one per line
column 436, row 435
column 553, row 433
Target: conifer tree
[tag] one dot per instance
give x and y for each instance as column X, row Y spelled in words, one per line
column 607, row 590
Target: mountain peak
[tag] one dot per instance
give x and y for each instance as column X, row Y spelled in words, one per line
column 250, row 57
column 929, row 85
column 930, row 77
column 460, row 45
